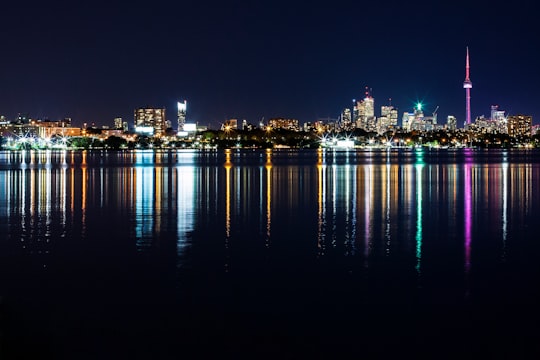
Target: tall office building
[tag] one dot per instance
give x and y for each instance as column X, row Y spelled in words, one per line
column 388, row 119
column 496, row 114
column 407, row 120
column 150, row 121
column 519, row 125
column 365, row 112
column 391, row 114
column 451, row 122
column 369, row 104
column 118, row 123
column 182, row 110
column 418, row 121
column 354, row 113
column 346, row 122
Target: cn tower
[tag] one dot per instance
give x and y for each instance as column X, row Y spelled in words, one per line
column 467, row 85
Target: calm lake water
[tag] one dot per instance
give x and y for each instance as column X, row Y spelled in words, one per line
column 270, row 254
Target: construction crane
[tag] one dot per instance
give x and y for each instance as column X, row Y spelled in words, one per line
column 435, row 115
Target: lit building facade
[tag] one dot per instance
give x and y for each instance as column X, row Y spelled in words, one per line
column 407, row 120
column 346, row 122
column 46, row 132
column 417, row 122
column 496, row 114
column 489, row 126
column 388, row 119
column 150, row 121
column 519, row 125
column 282, row 123
column 182, row 111
column 118, row 124
column 365, row 113
column 451, row 122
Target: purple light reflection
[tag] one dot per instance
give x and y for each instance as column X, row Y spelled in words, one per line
column 468, row 216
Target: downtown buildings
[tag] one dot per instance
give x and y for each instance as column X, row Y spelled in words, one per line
column 152, row 121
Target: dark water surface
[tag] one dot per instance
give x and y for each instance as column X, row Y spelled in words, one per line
column 281, row 254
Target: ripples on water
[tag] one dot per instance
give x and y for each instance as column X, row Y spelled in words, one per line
column 281, row 253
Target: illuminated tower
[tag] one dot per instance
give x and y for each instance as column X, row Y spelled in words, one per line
column 467, row 85
column 182, row 109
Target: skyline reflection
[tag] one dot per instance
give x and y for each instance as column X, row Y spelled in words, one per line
column 349, row 204
column 406, row 244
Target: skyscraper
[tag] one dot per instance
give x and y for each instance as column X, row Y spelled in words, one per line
column 467, row 85
column 365, row 112
column 182, row 109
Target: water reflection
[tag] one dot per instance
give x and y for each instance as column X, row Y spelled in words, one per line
column 364, row 206
column 228, row 167
column 321, row 204
column 268, row 168
column 419, row 210
column 159, row 193
column 468, row 215
column 144, row 205
column 387, row 218
column 369, row 181
column 504, row 208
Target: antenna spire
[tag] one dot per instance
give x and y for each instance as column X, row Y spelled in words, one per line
column 467, row 66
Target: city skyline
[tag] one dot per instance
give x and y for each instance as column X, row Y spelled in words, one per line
column 258, row 61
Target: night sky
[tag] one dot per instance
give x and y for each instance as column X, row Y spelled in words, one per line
column 94, row 61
